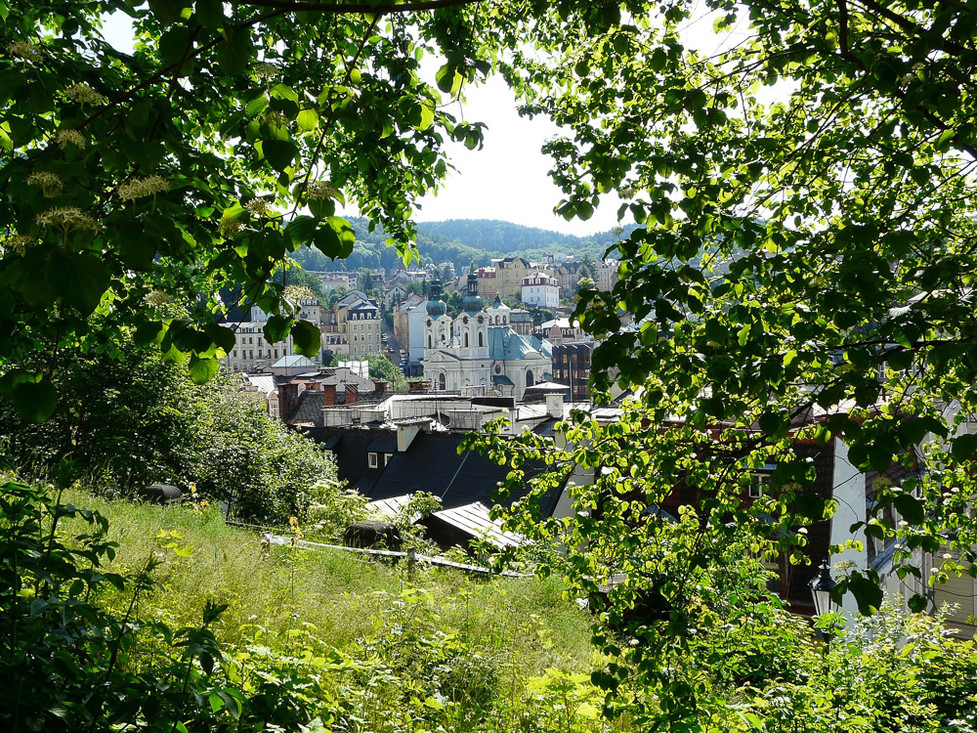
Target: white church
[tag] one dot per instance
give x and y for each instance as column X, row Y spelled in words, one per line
column 478, row 348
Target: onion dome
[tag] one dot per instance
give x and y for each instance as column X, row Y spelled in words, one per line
column 435, row 306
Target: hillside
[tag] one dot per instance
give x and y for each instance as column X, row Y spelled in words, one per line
column 359, row 645
column 460, row 241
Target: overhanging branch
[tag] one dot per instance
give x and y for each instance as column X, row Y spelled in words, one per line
column 339, row 8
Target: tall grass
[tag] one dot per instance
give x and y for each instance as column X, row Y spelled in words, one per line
column 525, row 625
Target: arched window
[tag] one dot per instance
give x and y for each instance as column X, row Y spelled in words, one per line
column 466, row 339
column 429, row 341
column 442, row 382
column 481, row 339
column 530, row 379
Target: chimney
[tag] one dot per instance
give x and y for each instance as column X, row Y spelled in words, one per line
column 288, row 398
column 554, row 406
column 352, row 394
column 329, row 394
column 379, row 386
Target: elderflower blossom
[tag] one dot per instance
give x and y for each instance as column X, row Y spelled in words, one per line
column 274, row 117
column 66, row 218
column 320, row 191
column 229, row 226
column 26, row 51
column 264, row 71
column 137, row 188
column 49, row 183
column 18, row 243
column 259, row 207
column 70, row 137
column 296, row 293
column 83, row 94
column 156, row 299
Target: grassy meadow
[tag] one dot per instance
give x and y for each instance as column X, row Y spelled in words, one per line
column 363, row 647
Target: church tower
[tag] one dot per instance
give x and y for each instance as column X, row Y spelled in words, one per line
column 437, row 324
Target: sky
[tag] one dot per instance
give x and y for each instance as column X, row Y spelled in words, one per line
column 507, row 179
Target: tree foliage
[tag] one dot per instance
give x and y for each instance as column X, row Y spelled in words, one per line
column 224, row 142
column 128, row 419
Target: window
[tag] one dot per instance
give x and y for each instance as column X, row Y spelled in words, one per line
column 481, row 339
column 758, row 485
column 372, row 460
column 387, row 457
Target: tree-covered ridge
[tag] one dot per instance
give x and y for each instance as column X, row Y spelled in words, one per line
column 460, row 241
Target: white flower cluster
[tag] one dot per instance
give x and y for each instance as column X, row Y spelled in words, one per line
column 49, row 183
column 137, row 188
column 264, row 71
column 259, row 207
column 320, row 191
column 156, row 299
column 274, row 117
column 294, row 293
column 83, row 94
column 66, row 218
column 18, row 243
column 70, row 137
column 229, row 226
column 26, row 51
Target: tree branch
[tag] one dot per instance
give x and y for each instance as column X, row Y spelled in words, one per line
column 342, row 8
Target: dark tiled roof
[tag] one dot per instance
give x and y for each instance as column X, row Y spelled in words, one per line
column 431, row 464
column 309, row 408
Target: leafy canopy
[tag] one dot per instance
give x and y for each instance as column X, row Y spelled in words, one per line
column 223, row 143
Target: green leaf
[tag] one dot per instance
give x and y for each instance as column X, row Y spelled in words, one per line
column 918, row 603
column 279, row 153
column 276, row 329
column 34, row 401
column 167, row 11
column 867, row 593
column 300, row 230
column 222, row 336
column 210, row 13
column 307, row 338
column 448, row 79
column 307, row 119
column 336, row 238
column 964, row 446
column 909, row 507
column 235, row 54
column 81, row 279
column 809, row 505
column 202, row 370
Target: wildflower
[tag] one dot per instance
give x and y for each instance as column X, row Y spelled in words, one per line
column 83, row 94
column 49, row 183
column 229, row 226
column 70, row 137
column 265, row 71
column 18, row 243
column 26, row 51
column 296, row 293
column 274, row 117
column 156, row 299
column 139, row 187
column 947, row 556
column 66, row 218
column 320, row 191
column 259, row 207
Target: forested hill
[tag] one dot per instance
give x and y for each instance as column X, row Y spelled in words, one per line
column 459, row 241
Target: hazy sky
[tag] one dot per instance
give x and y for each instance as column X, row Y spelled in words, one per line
column 505, row 180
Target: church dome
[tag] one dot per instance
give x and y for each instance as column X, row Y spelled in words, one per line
column 436, row 308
